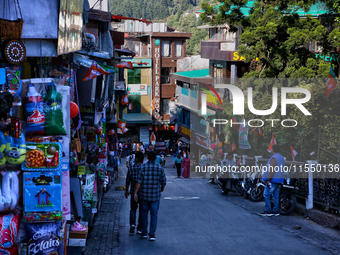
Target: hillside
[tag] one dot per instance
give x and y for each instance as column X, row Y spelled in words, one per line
column 150, row 9
column 188, row 24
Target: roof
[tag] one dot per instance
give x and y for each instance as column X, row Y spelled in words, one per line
column 193, row 77
column 315, row 10
column 137, row 118
column 125, row 52
column 172, row 35
column 208, row 113
column 195, row 73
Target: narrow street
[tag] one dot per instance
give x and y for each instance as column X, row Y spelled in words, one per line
column 195, row 219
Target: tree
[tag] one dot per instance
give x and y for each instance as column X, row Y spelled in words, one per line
column 275, row 35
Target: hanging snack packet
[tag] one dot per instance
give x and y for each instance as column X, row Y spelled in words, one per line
column 44, row 238
column 54, row 120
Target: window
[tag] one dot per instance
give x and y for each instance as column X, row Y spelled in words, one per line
column 194, row 94
column 219, row 73
column 165, row 104
column 134, row 76
column 166, row 49
column 185, row 91
column 178, row 49
column 217, row 33
column 165, row 75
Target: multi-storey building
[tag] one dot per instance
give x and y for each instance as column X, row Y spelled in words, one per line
column 157, row 48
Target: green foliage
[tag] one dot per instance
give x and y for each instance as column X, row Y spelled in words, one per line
column 150, row 9
column 279, row 40
column 188, row 24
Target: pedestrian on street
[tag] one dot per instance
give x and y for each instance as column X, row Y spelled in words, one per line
column 274, row 177
column 138, row 146
column 131, row 181
column 227, row 162
column 120, row 145
column 178, row 164
column 130, row 160
column 142, row 149
column 134, row 146
column 151, row 182
column 129, row 148
column 186, row 166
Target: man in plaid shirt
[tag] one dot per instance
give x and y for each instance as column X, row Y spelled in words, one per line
column 151, row 182
column 131, row 180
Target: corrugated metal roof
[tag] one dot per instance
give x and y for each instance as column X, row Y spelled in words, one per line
column 315, row 10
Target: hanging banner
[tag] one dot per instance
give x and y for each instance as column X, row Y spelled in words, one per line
column 243, row 138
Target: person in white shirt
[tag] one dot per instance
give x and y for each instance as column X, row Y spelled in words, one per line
column 134, row 147
column 142, row 149
column 130, row 160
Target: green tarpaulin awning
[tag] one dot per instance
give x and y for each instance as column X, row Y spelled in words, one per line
column 138, row 118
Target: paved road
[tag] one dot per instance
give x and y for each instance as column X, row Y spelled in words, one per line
column 195, row 219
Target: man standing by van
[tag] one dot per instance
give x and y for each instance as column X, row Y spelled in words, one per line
column 274, row 177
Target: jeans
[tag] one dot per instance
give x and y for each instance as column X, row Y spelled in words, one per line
column 179, row 169
column 145, row 207
column 133, row 213
column 268, row 192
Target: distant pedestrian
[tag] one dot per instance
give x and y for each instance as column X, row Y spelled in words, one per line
column 151, row 182
column 178, row 164
column 131, row 181
column 134, row 147
column 142, row 149
column 137, row 146
column 273, row 176
column 186, row 166
column 228, row 163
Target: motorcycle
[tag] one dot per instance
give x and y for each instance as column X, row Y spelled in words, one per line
column 287, row 199
column 254, row 187
column 233, row 183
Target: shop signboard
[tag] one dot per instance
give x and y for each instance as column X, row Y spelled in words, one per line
column 203, row 142
column 156, row 52
column 138, row 89
column 144, row 135
column 183, row 131
column 87, row 115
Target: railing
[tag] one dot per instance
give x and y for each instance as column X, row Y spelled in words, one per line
column 315, row 183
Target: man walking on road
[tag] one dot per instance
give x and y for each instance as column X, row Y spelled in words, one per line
column 131, row 180
column 151, row 182
column 273, row 176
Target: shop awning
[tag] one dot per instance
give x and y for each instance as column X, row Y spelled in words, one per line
column 137, row 118
column 209, row 113
column 193, row 77
column 184, row 140
column 125, row 52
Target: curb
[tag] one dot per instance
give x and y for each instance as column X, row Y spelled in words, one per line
column 325, row 219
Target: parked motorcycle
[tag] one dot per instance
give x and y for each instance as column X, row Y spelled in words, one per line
column 233, row 183
column 287, row 199
column 254, row 187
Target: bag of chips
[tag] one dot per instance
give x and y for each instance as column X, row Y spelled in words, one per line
column 44, row 238
column 9, row 227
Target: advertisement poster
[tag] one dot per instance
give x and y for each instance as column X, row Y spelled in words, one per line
column 144, row 135
column 243, row 138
